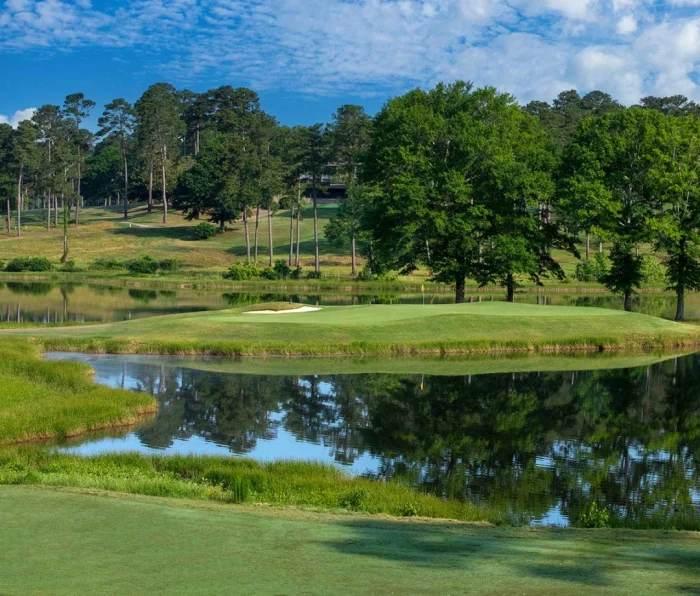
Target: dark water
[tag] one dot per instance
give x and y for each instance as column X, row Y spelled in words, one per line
column 32, row 302
column 541, row 445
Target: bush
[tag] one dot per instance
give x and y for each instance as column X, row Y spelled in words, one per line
column 314, row 275
column 281, row 269
column 204, row 230
column 297, row 273
column 169, row 265
column 242, row 272
column 269, row 273
column 107, row 264
column 28, row 264
column 592, row 270
column 367, row 275
column 69, row 267
column 595, row 517
column 142, row 265
column 653, row 272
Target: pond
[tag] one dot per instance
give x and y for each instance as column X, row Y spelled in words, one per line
column 33, row 302
column 541, row 445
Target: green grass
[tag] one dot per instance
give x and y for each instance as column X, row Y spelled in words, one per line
column 232, row 480
column 41, row 400
column 74, row 543
column 379, row 329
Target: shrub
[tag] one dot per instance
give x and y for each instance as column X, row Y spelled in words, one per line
column 69, row 266
column 653, row 272
column 269, row 273
column 595, row 517
column 28, row 264
column 592, row 270
column 143, row 265
column 204, row 230
column 169, row 265
column 297, row 273
column 354, row 500
column 107, row 264
column 282, row 269
column 314, row 275
column 242, row 272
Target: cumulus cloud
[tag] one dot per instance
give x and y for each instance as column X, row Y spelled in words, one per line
column 531, row 48
column 18, row 116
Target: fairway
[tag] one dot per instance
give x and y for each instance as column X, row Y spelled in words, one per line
column 62, row 542
column 379, row 329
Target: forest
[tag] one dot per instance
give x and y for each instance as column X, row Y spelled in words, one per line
column 462, row 181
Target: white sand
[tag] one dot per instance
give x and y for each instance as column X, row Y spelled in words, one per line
column 283, row 312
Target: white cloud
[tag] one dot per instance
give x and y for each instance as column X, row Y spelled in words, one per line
column 17, row 117
column 531, row 48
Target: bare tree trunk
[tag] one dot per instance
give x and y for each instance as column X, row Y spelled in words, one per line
column 317, row 262
column 79, row 198
column 354, row 264
column 64, row 258
column 600, row 247
column 165, row 196
column 55, row 211
column 269, row 236
column 257, row 225
column 150, row 187
column 47, row 200
column 19, row 202
column 9, row 216
column 126, row 181
column 296, row 263
column 291, row 235
column 247, row 235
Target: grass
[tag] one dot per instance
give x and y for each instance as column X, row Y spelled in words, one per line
column 41, row 400
column 379, row 329
column 232, row 480
column 67, row 542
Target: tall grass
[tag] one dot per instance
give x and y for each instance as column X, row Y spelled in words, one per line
column 41, row 400
column 233, row 480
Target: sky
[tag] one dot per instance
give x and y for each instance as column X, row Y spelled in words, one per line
column 307, row 57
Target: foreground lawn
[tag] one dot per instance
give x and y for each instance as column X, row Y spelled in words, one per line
column 56, row 542
column 379, row 329
column 41, row 400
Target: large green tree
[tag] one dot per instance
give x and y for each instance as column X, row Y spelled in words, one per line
column 117, row 122
column 76, row 108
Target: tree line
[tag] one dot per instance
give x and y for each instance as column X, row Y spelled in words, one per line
column 459, row 180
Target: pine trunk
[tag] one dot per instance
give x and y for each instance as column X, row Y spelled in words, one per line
column 247, row 236
column 296, row 264
column 588, row 246
column 269, row 237
column 126, row 182
column 257, row 226
column 150, row 187
column 47, row 200
column 19, row 203
column 291, row 235
column 165, row 195
column 64, row 258
column 317, row 262
column 9, row 217
column 354, row 262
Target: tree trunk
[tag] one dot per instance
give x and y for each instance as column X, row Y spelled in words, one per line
column 291, row 235
column 510, row 286
column 247, row 236
column 588, row 246
column 317, row 262
column 55, row 211
column 47, row 200
column 296, row 263
column 126, row 182
column 680, row 306
column 165, row 195
column 257, row 225
column 269, row 236
column 19, row 203
column 354, row 260
column 460, row 283
column 64, row 258
column 600, row 247
column 628, row 301
column 9, row 217
column 150, row 187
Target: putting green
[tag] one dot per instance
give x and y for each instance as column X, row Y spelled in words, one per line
column 402, row 329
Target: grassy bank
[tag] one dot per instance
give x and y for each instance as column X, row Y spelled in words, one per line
column 232, row 480
column 379, row 329
column 62, row 542
column 41, row 400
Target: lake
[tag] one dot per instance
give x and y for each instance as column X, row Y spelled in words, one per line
column 35, row 302
column 539, row 445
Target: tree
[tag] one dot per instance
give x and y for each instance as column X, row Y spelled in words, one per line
column 24, row 158
column 348, row 224
column 675, row 105
column 349, row 138
column 104, row 174
column 314, row 158
column 614, row 155
column 49, row 125
column 117, row 121
column 159, row 127
column 676, row 178
column 76, row 108
column 6, row 179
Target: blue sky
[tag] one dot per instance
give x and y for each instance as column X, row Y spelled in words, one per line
column 306, row 57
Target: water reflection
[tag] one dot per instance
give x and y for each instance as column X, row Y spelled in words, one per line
column 543, row 446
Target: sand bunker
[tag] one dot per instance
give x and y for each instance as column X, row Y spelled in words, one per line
column 283, row 312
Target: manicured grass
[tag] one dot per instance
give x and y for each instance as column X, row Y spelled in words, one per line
column 232, row 480
column 59, row 542
column 379, row 329
column 57, row 399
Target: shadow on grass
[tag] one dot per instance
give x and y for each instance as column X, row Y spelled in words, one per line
column 175, row 232
column 578, row 558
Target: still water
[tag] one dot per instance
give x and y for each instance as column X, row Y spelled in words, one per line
column 541, row 445
column 32, row 302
